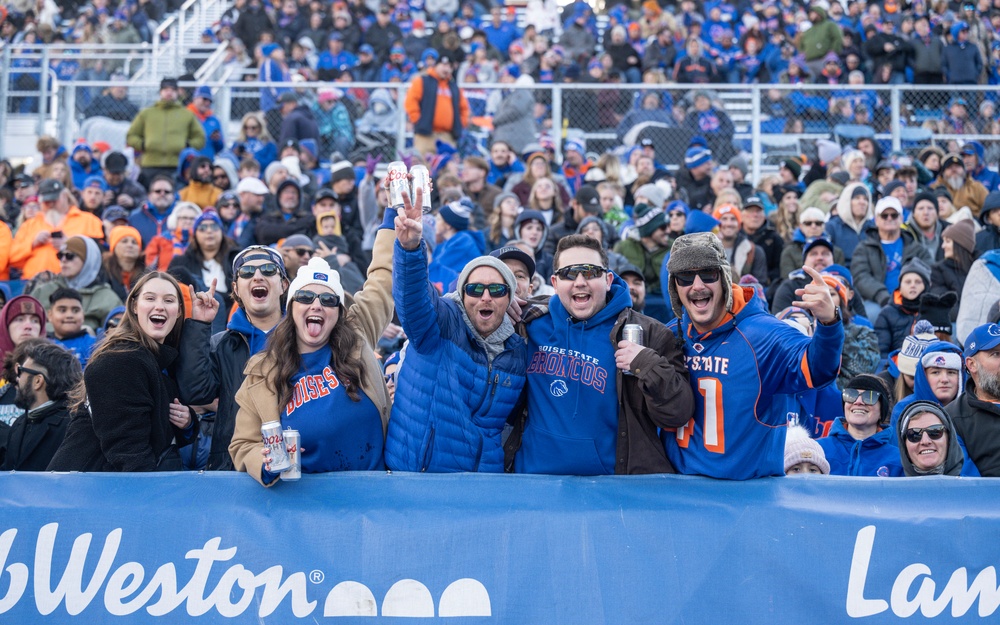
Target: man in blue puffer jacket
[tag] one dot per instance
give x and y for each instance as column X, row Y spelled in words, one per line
column 464, row 366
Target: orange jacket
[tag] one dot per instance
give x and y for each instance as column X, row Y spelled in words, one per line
column 201, row 193
column 444, row 111
column 5, row 241
column 32, row 261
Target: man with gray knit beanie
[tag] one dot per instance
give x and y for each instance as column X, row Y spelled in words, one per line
column 464, row 366
column 739, row 357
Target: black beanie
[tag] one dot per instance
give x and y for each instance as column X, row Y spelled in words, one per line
column 869, row 382
column 924, row 195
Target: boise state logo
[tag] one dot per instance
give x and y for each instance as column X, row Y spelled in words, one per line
column 321, row 276
column 993, row 329
column 883, row 471
column 558, row 388
column 939, row 361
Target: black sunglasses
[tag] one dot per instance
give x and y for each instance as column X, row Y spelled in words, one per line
column 476, row 289
column 248, row 271
column 66, row 256
column 935, row 432
column 686, row 278
column 589, row 272
column 22, row 369
column 868, row 398
column 326, row 300
column 889, row 216
column 304, row 251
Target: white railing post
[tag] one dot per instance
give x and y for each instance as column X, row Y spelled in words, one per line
column 896, row 128
column 757, row 155
column 43, row 91
column 401, row 112
column 66, row 114
column 4, row 100
column 557, row 120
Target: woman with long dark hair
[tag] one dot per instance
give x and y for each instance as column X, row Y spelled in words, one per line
column 209, row 256
column 948, row 274
column 125, row 262
column 318, row 373
column 127, row 417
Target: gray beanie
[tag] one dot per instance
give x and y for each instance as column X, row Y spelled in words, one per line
column 701, row 250
column 657, row 198
column 919, row 267
column 486, row 261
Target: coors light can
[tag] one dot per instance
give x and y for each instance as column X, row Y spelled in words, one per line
column 275, row 441
column 399, row 185
column 421, row 180
column 293, row 472
column 632, row 332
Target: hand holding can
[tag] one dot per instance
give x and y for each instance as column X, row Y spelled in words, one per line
column 629, row 347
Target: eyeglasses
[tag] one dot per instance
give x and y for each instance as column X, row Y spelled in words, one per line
column 22, row 369
column 935, row 432
column 589, row 272
column 252, row 127
column 303, row 251
column 812, row 224
column 889, row 216
column 209, row 226
column 66, row 256
column 267, row 270
column 228, row 205
column 161, row 191
column 476, row 289
column 677, row 214
column 326, row 300
column 686, row 278
column 868, row 398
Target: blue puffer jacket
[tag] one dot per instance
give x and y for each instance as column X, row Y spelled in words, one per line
column 451, row 402
column 875, row 456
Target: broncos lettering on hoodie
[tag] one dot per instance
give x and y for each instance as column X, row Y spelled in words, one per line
column 572, row 423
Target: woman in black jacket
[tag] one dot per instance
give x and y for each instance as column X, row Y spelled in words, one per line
column 959, row 245
column 134, row 422
column 208, row 257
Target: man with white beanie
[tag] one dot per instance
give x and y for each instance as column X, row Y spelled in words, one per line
column 739, row 358
column 465, row 365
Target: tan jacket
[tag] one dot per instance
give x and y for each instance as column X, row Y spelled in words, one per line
column 372, row 309
column 972, row 194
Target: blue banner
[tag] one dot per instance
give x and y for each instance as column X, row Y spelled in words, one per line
column 365, row 548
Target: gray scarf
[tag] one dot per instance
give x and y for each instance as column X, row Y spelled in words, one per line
column 492, row 344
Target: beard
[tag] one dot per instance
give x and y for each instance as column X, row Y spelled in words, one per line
column 25, row 398
column 989, row 382
column 955, row 182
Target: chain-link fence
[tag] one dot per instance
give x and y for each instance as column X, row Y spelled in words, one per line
column 766, row 123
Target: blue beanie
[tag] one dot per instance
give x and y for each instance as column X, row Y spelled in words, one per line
column 268, row 49
column 698, row 221
column 841, row 272
column 456, row 215
column 678, row 205
column 697, row 156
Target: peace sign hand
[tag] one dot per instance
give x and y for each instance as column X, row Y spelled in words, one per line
column 410, row 224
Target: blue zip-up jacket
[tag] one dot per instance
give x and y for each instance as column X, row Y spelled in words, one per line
column 738, row 430
column 451, row 402
column 80, row 174
column 875, row 456
column 452, row 255
column 921, row 387
column 149, row 222
column 572, row 424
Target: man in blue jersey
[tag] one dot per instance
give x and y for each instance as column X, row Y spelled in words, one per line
column 739, row 357
column 595, row 401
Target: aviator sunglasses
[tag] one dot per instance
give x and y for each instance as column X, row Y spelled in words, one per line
column 935, row 432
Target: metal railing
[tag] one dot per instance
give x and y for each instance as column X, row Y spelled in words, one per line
column 769, row 122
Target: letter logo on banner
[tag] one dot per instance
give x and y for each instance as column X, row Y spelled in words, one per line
column 958, row 592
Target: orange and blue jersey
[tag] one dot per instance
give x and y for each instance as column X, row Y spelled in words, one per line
column 736, row 370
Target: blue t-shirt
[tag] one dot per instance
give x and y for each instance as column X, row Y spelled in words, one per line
column 893, row 263
column 337, row 433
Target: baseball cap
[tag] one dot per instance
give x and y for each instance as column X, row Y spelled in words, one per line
column 887, row 203
column 114, row 213
column 115, row 162
column 952, row 159
column 630, row 268
column 513, row 253
column 324, row 194
column 252, row 185
column 588, row 197
column 203, row 91
column 49, row 190
column 815, row 242
column 753, row 200
column 986, row 336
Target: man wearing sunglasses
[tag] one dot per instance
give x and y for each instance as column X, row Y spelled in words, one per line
column 463, row 371
column 211, row 367
column 977, row 411
column 740, row 358
column 585, row 416
column 881, row 254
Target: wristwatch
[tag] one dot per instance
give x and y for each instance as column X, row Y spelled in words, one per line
column 837, row 318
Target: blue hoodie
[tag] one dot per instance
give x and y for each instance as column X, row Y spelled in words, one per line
column 256, row 338
column 921, row 387
column 875, row 456
column 451, row 257
column 572, row 423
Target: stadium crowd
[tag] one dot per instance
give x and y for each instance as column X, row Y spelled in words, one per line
column 839, row 316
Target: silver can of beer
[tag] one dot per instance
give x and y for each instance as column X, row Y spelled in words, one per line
column 293, row 472
column 632, row 332
column 274, row 440
column 421, row 180
column 399, row 184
